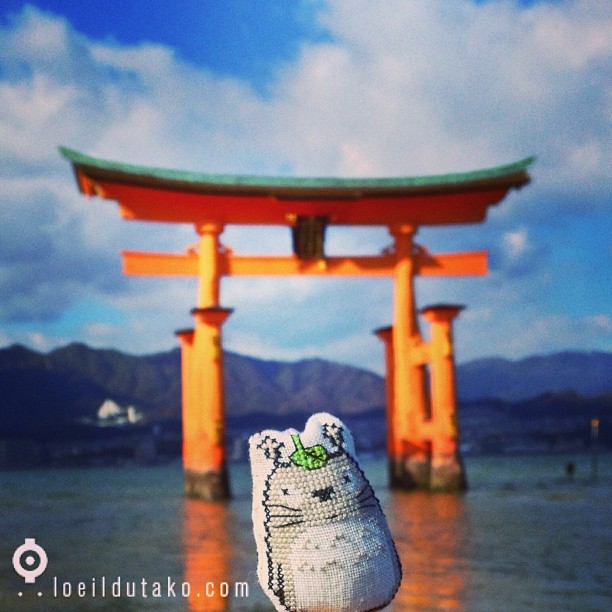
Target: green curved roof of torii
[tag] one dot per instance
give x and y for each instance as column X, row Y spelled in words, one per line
column 156, row 194
column 514, row 172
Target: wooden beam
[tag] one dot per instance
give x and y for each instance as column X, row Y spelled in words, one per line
column 330, row 266
column 470, row 263
column 139, row 263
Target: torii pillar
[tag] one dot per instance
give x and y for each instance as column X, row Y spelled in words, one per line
column 410, row 463
column 204, row 460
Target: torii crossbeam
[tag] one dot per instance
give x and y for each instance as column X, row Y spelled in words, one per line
column 422, row 430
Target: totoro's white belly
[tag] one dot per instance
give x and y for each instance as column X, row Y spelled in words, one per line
column 345, row 566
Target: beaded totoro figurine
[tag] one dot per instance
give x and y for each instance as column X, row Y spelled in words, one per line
column 323, row 543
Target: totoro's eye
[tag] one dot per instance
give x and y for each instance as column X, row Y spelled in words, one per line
column 284, row 490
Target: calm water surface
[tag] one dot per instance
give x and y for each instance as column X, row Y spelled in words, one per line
column 525, row 537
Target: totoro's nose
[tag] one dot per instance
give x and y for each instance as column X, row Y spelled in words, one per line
column 323, row 494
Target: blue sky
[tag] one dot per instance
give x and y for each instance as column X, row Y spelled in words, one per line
column 240, row 38
column 337, row 87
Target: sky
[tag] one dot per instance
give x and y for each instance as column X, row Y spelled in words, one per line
column 346, row 88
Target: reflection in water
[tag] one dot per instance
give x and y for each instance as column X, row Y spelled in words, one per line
column 430, row 534
column 219, row 551
column 208, row 554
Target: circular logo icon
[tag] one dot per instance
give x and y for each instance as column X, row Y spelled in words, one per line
column 30, row 560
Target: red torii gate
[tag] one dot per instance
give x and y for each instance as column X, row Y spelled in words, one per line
column 422, row 428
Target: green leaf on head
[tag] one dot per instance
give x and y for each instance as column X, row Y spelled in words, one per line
column 310, row 458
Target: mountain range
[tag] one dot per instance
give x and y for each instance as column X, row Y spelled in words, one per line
column 49, row 396
column 587, row 374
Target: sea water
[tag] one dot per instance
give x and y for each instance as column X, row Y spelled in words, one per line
column 526, row 536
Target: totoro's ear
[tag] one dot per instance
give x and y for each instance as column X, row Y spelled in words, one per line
column 271, row 448
column 334, row 432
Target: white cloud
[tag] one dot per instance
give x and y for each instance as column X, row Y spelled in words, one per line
column 600, row 322
column 557, row 332
column 426, row 87
column 344, row 350
column 516, row 243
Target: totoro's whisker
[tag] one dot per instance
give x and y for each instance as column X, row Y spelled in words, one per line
column 366, row 498
column 285, row 507
column 293, row 516
column 366, row 489
column 288, row 524
column 362, row 505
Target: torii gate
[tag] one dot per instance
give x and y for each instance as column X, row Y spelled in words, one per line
column 421, row 411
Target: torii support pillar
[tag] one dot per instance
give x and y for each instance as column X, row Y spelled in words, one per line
column 447, row 472
column 204, row 460
column 190, row 414
column 386, row 335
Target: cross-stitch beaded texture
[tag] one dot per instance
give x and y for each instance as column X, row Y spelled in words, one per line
column 322, row 539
